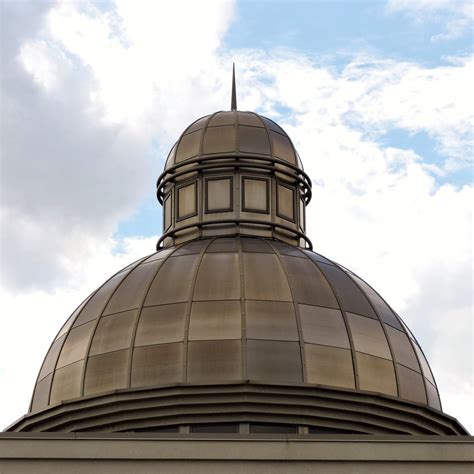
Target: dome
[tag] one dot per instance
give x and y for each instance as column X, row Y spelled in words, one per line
column 233, row 133
column 235, row 324
column 232, row 312
column 232, row 168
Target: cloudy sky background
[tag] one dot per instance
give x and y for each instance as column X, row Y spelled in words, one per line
column 377, row 97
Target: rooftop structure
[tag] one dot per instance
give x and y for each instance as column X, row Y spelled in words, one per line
column 235, row 325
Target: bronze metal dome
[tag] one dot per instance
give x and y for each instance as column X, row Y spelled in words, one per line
column 242, row 313
column 235, row 323
column 233, row 133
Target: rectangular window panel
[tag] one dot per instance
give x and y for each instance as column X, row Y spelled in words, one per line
column 411, row 385
column 187, row 201
column 376, row 374
column 131, row 291
column 323, row 326
column 67, row 382
column 215, row 428
column 368, row 336
column 271, row 320
column 402, row 348
column 253, row 140
column 157, row 365
column 309, row 285
column 113, row 332
column 302, row 221
column 271, row 428
column 255, row 195
column 219, row 193
column 285, row 202
column 265, row 278
column 329, row 366
column 173, row 282
column 106, row 372
column 215, row 320
column 349, row 294
column 274, row 361
column 218, row 277
column 214, row 361
column 219, row 140
column 167, row 213
column 161, row 324
column 156, row 429
column 76, row 344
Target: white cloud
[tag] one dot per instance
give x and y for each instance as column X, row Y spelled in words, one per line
column 30, row 321
column 86, row 95
column 455, row 16
column 89, row 91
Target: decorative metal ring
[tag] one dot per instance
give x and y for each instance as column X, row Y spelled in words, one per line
column 299, row 175
column 226, row 157
column 237, row 164
column 273, row 225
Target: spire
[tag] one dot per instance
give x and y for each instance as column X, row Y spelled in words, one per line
column 233, row 105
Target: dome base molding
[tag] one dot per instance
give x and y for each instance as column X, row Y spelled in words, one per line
column 185, row 404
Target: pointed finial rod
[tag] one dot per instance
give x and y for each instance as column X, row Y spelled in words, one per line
column 233, row 105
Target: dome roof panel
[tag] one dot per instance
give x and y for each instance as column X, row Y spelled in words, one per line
column 253, row 140
column 219, row 140
column 233, row 133
column 222, row 118
column 198, row 124
column 273, row 125
column 229, row 309
column 250, row 118
column 171, row 160
column 188, row 146
column 283, row 148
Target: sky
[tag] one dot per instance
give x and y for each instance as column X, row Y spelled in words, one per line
column 376, row 95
